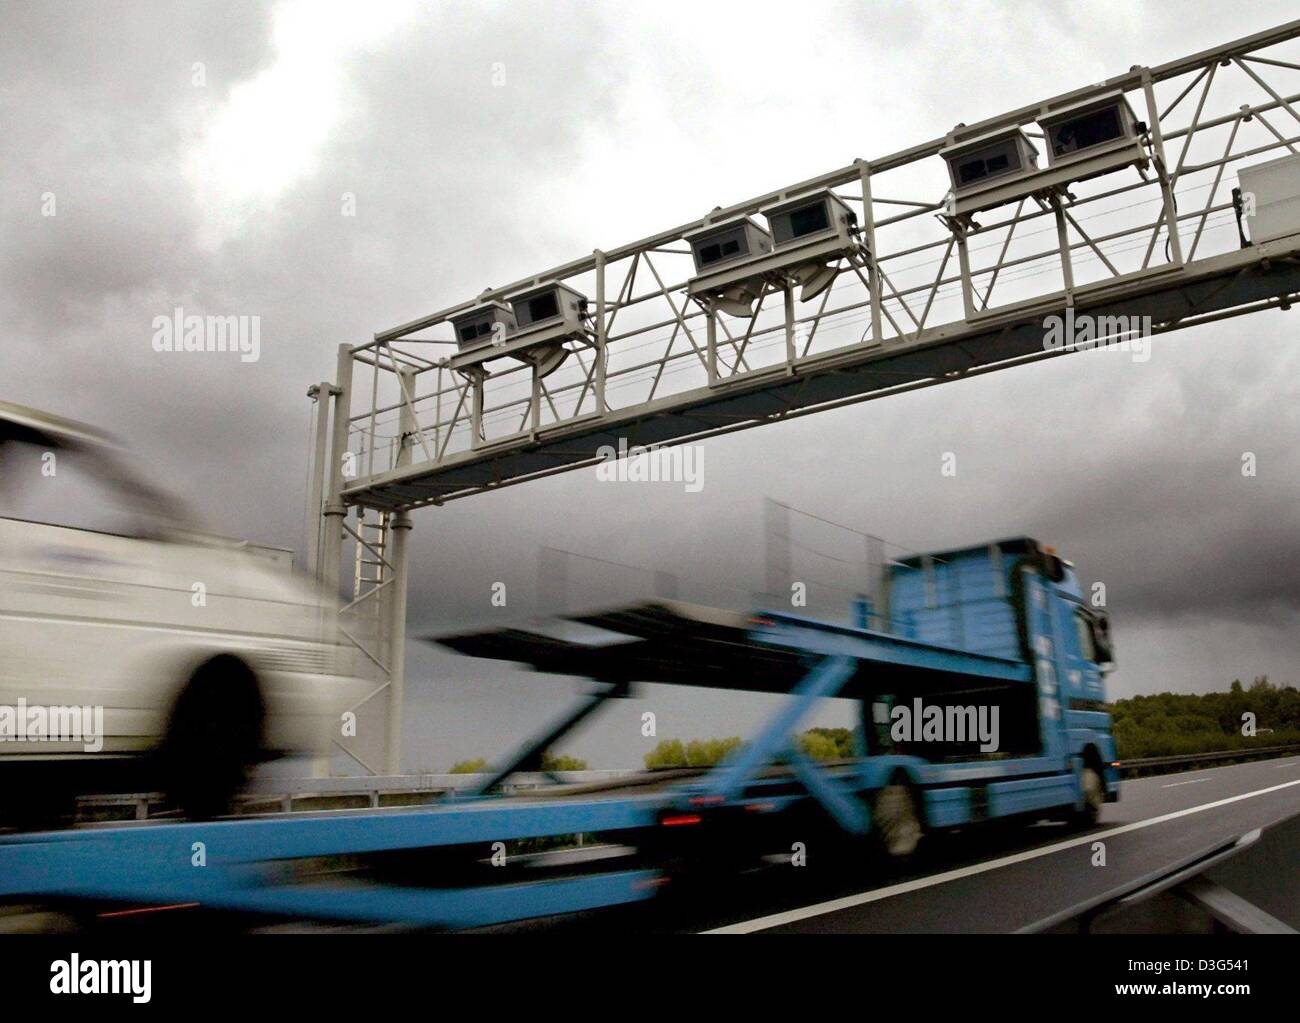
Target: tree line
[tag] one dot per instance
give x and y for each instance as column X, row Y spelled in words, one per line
column 1157, row 725
column 1168, row 724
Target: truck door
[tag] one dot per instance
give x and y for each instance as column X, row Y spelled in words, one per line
column 1045, row 643
column 1083, row 688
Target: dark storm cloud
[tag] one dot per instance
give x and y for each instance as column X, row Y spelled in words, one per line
column 96, row 101
column 106, row 121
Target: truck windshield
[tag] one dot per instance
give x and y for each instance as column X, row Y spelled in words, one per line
column 1087, row 649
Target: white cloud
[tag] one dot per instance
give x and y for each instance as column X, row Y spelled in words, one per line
column 270, row 132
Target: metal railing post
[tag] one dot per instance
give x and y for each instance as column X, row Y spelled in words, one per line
column 869, row 230
column 1162, row 168
column 601, row 332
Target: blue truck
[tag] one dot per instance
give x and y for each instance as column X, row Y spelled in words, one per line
column 979, row 693
column 977, row 682
column 994, row 635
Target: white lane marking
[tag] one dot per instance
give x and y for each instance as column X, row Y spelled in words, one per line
column 1139, row 784
column 762, row 923
column 1289, row 763
column 1175, row 784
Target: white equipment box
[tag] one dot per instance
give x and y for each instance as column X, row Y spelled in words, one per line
column 1271, row 196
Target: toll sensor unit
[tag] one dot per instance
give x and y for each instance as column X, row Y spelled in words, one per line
column 725, row 254
column 481, row 326
column 819, row 230
column 1083, row 140
column 532, row 328
column 807, row 236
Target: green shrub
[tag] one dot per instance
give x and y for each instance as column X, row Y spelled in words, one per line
column 477, row 766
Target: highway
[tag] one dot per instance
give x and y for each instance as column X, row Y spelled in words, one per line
column 993, row 878
column 1159, row 821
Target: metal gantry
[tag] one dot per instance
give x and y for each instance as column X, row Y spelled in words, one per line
column 936, row 282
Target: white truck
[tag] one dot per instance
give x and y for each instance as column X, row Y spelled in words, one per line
column 128, row 634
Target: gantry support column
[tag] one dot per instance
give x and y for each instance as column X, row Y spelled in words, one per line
column 331, row 563
column 321, row 394
column 325, row 537
column 399, row 525
column 395, row 606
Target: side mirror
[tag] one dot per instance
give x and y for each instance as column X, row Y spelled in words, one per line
column 1053, row 567
column 1101, row 640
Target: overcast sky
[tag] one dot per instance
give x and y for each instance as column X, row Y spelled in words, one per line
column 198, row 154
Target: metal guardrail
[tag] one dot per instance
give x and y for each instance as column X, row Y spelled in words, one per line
column 1187, row 759
column 287, row 791
column 394, row 783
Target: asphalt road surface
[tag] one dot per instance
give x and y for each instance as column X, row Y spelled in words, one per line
column 996, row 877
column 1159, row 821
column 988, row 879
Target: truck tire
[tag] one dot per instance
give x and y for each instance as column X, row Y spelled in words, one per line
column 1094, row 794
column 213, row 737
column 896, row 820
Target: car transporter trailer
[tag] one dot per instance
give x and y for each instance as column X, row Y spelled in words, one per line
column 432, row 866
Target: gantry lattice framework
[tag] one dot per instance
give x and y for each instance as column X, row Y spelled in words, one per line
column 931, row 297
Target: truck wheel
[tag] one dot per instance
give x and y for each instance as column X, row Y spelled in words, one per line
column 896, row 820
column 213, row 738
column 1094, row 794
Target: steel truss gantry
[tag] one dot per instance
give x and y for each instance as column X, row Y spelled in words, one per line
column 938, row 298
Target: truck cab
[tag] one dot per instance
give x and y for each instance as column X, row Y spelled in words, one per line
column 1015, row 599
